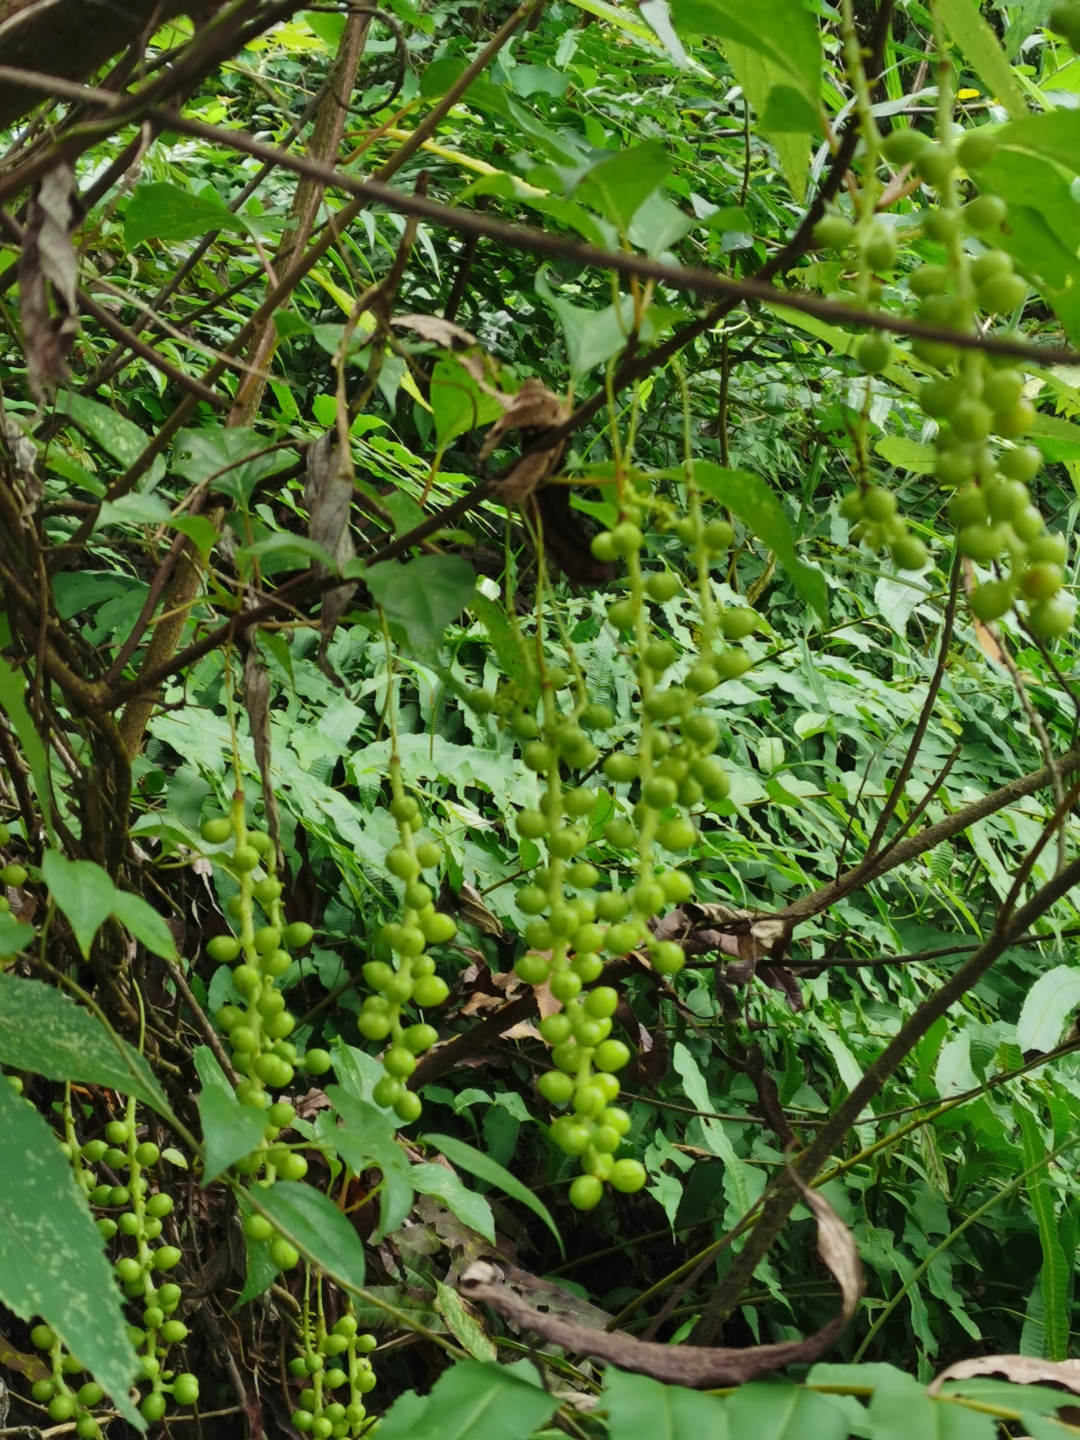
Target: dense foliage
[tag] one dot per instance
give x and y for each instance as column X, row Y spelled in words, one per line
column 538, row 716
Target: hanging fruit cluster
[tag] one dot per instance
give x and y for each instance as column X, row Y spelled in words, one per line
column 132, row 1221
column 978, row 401
column 335, row 1372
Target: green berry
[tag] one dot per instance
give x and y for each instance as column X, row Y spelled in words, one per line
column 586, row 1192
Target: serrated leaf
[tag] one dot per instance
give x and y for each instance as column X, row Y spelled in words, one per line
column 475, row 1162
column 144, row 922
column 469, row 1207
column 639, row 1406
column 52, row 1260
column 83, row 891
column 470, row 1401
column 43, row 1031
column 1047, row 1008
column 318, row 1229
column 367, row 1138
column 753, row 501
column 230, row 1130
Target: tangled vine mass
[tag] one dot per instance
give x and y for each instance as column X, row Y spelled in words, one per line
column 538, row 713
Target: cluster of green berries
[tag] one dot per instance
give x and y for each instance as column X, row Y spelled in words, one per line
column 258, row 1033
column 141, row 1267
column 411, row 978
column 876, row 523
column 330, row 1361
column 12, row 874
column 68, row 1400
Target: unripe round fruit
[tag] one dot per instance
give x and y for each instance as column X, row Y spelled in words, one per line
column 1017, row 420
column 284, row 1255
column 879, row 504
column 246, row 979
column 597, row 717
column 737, row 623
column 667, row 957
column 659, row 655
column 244, row 858
column 1052, row 618
column 1005, row 498
column 833, row 232
column 216, row 830
column 430, row 991
column 1002, row 388
column 1048, row 549
column 663, row 586
column 988, row 212
column 167, row 1257
column 718, row 535
column 43, row 1337
column 977, row 148
column 223, row 948
column 1023, row 462
column 874, row 353
column 185, row 1389
column 627, row 1176
column 147, row 1153
column 536, row 755
column 173, row 1332
column 935, row 164
column 317, row 1061
column 909, row 553
column 117, row 1132
column 903, row 147
column 586, row 1192
column 971, row 419
column 730, row 664
column 603, row 547
column 1003, row 293
column 42, row 1391
column 611, row 1055
column 626, row 538
column 677, row 834
column 1041, row 582
column 928, row 280
column 621, row 939
column 90, row 1394
column 992, row 600
column 602, row 1002
column 61, row 1407
column 565, row 985
column 981, row 542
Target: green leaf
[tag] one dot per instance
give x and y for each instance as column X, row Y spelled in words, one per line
column 227, row 459
column 619, row 186
column 230, row 1130
column 784, row 31
column 638, row 1406
column 158, row 211
column 13, row 936
column 12, row 685
column 909, row 454
column 463, row 1326
column 144, row 922
column 457, row 402
column 762, row 81
column 751, row 499
column 119, row 437
column 52, row 1261
column 368, row 1138
column 261, row 1270
column 41, row 1030
column 318, row 1229
column 423, row 595
column 470, row 1401
column 776, row 1410
column 469, row 1207
column 1047, row 1007
column 1056, row 1270
column 475, row 1162
column 83, row 891
column 980, row 48
column 285, row 548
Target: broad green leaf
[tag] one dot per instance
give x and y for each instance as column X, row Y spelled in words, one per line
column 116, row 434
column 594, row 336
column 41, row 1030
column 475, row 1162
column 261, row 1270
column 638, row 1406
column 469, row 1207
column 423, row 595
column 470, row 1401
column 13, row 936
column 618, row 187
column 1047, row 1008
column 228, row 459
column 144, row 922
column 287, row 551
column 980, row 48
column 83, row 891
column 462, row 1325
column 753, row 501
column 1042, row 1427
column 52, row 1260
column 368, row 1139
column 312, row 1222
column 1004, row 1395
column 762, row 79
column 658, row 223
column 785, row 32
column 776, row 1410
column 909, row 454
column 1056, row 1269
column 12, row 686
column 230, row 1130
column 457, row 402
column 133, row 509
column 159, row 211
column 209, row 1071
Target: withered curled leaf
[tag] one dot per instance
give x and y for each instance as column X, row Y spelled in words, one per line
column 696, row 1367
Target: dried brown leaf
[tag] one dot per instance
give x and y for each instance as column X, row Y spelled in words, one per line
column 697, row 1367
column 1021, row 1369
column 257, row 705
column 48, row 272
column 328, row 495
column 436, row 329
column 473, row 911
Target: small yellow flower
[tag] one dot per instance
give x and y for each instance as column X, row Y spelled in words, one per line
column 968, row 94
